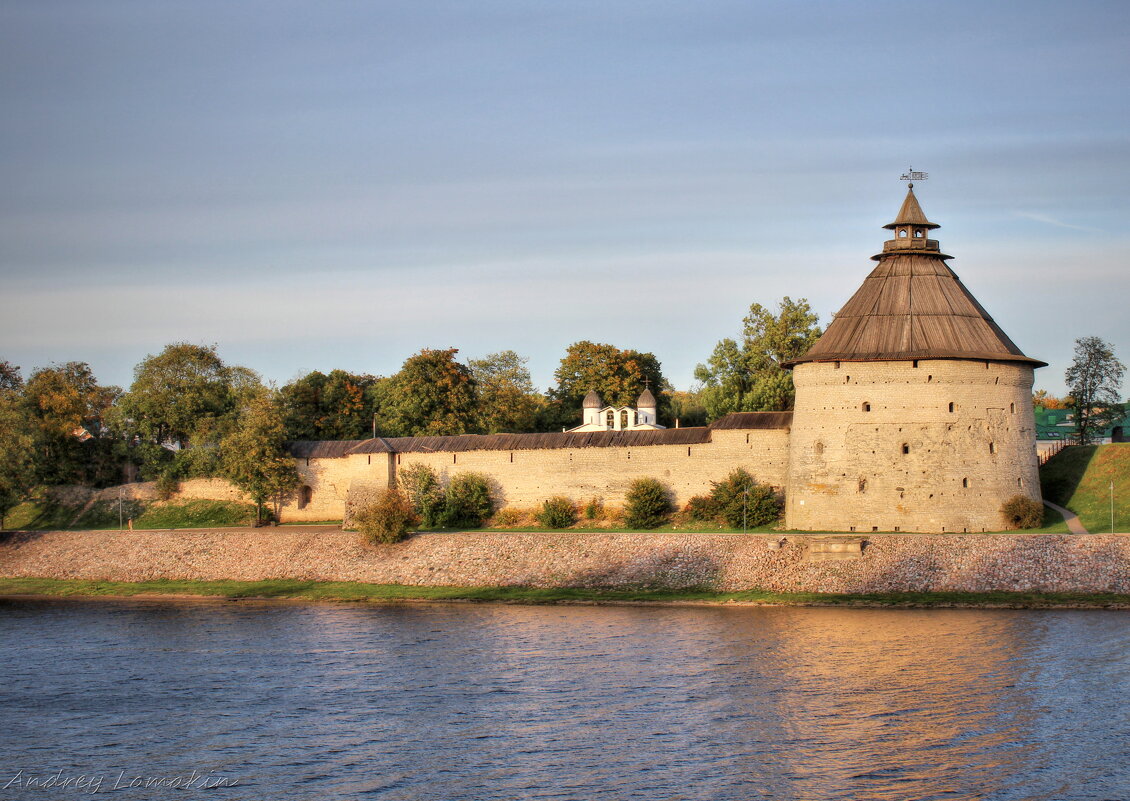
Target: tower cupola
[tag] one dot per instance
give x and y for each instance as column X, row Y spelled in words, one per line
column 912, row 230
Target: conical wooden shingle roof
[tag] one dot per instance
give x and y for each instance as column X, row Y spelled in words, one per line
column 913, row 306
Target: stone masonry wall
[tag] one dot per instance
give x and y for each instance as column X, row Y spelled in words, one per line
column 933, row 445
column 1049, row 563
column 525, row 478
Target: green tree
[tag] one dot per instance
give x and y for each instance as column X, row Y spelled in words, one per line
column 339, row 405
column 1094, row 380
column 618, row 376
column 254, row 457
column 17, row 452
column 185, row 395
column 747, row 376
column 433, row 394
column 508, row 401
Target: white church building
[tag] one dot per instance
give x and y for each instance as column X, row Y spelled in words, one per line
column 598, row 417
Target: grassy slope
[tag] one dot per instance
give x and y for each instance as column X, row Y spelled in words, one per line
column 46, row 515
column 1079, row 478
column 352, row 591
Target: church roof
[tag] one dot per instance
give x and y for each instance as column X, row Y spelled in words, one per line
column 913, row 306
column 646, row 399
column 592, row 400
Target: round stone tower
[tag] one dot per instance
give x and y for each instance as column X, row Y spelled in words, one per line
column 913, row 411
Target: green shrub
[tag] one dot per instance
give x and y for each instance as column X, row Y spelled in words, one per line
column 701, row 508
column 1023, row 512
column 167, row 486
column 387, row 519
column 742, row 502
column 467, row 502
column 557, row 512
column 421, row 488
column 647, row 504
column 594, row 509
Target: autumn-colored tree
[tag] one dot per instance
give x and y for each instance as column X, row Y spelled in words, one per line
column 618, row 376
column 1041, row 398
column 70, row 411
column 433, row 394
column 508, row 401
column 747, row 376
column 254, row 457
column 687, row 408
column 339, row 405
column 10, row 376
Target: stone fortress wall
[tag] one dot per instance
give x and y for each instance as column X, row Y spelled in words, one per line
column 523, row 478
column 928, row 445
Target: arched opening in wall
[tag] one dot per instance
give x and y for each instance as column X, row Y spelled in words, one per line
column 915, row 364
column 929, row 378
column 965, row 483
column 905, row 449
column 866, row 406
column 952, row 407
column 635, row 418
column 623, row 418
column 992, row 447
column 610, row 419
column 1020, row 483
column 305, row 494
column 902, row 233
column 917, row 234
column 819, row 448
column 1012, row 408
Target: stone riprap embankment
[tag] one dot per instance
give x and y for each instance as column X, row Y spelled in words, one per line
column 889, row 563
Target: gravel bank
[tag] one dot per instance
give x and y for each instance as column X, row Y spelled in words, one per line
column 890, row 563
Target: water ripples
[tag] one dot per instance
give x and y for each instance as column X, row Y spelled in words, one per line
column 509, row 702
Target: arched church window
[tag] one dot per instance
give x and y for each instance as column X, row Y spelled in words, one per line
column 624, row 418
column 610, row 419
column 304, row 496
column 866, row 406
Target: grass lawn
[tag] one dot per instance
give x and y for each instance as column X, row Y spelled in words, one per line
column 1079, row 477
column 353, row 591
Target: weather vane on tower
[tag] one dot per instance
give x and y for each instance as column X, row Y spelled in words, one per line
column 912, row 175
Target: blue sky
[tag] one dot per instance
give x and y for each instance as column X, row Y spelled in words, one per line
column 339, row 184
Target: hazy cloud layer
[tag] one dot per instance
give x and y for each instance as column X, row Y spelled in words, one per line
column 339, row 184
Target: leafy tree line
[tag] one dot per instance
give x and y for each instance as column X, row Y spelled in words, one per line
column 188, row 413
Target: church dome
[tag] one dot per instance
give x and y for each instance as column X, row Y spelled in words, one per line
column 646, row 399
column 592, row 401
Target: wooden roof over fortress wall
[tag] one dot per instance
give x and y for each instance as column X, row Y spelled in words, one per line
column 337, row 449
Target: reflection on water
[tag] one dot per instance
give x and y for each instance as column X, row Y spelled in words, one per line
column 493, row 701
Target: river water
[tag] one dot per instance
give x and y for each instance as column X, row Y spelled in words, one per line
column 321, row 701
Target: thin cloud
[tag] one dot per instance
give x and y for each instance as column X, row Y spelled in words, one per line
column 1048, row 219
